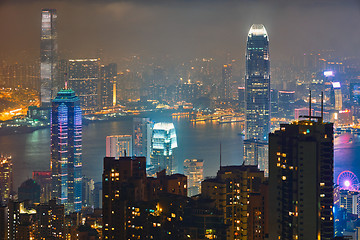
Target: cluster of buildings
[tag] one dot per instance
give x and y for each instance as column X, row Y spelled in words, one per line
column 283, row 190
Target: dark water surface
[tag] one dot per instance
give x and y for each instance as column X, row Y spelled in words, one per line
column 31, row 151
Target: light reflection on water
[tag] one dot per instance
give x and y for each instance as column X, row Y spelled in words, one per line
column 32, row 151
column 196, row 140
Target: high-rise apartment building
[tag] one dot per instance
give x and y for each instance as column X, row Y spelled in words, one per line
column 194, row 170
column 119, row 146
column 84, row 78
column 116, row 192
column 301, row 163
column 6, row 179
column 226, row 81
column 50, row 221
column 257, row 93
column 66, row 150
column 142, row 133
column 48, row 56
column 108, row 85
column 336, row 96
column 231, row 190
column 286, row 104
column 164, row 142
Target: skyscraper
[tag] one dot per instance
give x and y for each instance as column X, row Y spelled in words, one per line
column 164, row 142
column 66, row 150
column 6, row 179
column 116, row 192
column 194, row 170
column 226, row 81
column 48, row 56
column 257, row 93
column 84, row 79
column 116, row 146
column 336, row 96
column 286, row 104
column 142, row 133
column 108, row 85
column 301, row 162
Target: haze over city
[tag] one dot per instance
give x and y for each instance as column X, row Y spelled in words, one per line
column 179, row 119
column 182, row 29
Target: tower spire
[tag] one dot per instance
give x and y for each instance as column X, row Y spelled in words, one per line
column 220, row 156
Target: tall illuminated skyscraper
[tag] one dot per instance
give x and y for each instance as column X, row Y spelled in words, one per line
column 6, row 179
column 66, row 150
column 257, row 96
column 163, row 144
column 226, row 81
column 48, row 56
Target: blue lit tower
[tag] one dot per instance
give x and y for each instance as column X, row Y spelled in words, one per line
column 257, row 97
column 66, row 150
column 163, row 144
column 48, row 56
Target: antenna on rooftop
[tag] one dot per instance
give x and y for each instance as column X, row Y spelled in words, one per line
column 66, row 81
column 220, row 155
column 322, row 106
column 310, row 105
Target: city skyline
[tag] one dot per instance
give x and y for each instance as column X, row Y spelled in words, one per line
column 164, row 128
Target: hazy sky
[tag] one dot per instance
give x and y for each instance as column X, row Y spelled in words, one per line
column 184, row 28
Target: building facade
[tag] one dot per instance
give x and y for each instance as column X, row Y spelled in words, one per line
column 48, row 56
column 257, row 90
column 287, row 104
column 108, row 85
column 231, row 190
column 226, row 81
column 66, row 150
column 6, row 179
column 164, row 142
column 142, row 133
column 301, row 163
column 119, row 146
column 194, row 170
column 85, row 79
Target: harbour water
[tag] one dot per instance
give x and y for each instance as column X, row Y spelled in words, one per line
column 31, row 151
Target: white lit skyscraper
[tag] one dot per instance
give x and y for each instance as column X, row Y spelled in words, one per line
column 48, row 56
column 117, row 145
column 163, row 144
column 257, row 97
column 66, row 150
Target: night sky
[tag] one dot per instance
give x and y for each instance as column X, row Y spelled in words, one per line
column 183, row 28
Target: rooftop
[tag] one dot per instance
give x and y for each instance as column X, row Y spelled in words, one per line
column 257, row 30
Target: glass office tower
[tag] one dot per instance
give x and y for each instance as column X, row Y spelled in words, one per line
column 163, row 144
column 48, row 56
column 66, row 150
column 257, row 97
